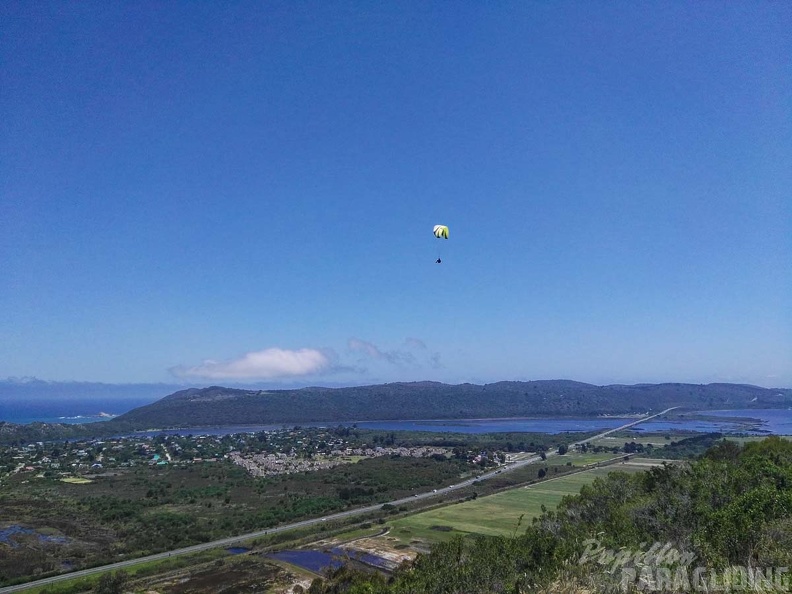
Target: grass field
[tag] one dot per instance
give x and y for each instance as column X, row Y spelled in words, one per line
column 619, row 439
column 500, row 513
column 74, row 480
column 582, row 459
column 742, row 440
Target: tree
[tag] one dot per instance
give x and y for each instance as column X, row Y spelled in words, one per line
column 725, row 451
column 562, row 449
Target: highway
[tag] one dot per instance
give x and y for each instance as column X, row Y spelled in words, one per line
column 236, row 540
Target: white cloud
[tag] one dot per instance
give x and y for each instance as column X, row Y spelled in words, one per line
column 270, row 363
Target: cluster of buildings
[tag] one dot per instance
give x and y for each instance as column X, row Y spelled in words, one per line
column 262, row 454
column 281, row 463
column 77, row 457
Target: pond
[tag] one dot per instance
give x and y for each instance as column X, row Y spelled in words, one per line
column 8, row 534
column 238, row 550
column 318, row 561
column 367, row 558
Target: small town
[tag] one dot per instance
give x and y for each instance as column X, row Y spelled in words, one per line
column 273, row 464
column 265, row 453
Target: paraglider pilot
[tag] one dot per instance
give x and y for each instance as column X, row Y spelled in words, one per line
column 441, row 232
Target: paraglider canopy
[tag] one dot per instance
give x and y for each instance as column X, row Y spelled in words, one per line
column 441, row 232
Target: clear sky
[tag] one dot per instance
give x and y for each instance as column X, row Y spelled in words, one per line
column 221, row 192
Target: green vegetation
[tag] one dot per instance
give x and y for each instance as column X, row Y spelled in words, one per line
column 688, row 447
column 206, row 572
column 743, row 439
column 431, row 400
column 158, row 508
column 657, row 440
column 498, row 514
column 149, row 507
column 103, row 501
column 585, row 458
column 727, row 511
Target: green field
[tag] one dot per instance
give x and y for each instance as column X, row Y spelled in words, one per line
column 619, row 439
column 742, row 440
column 500, row 513
column 583, row 459
column 76, row 480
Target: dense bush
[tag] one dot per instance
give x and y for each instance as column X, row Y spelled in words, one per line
column 731, row 507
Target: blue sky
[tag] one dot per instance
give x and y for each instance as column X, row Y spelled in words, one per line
column 245, row 192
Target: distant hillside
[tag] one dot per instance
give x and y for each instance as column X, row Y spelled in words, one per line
column 216, row 406
column 33, row 389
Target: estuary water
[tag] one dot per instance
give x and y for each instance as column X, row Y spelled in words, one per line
column 752, row 422
column 775, row 421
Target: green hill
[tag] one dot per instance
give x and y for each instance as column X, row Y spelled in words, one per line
column 719, row 523
column 217, row 406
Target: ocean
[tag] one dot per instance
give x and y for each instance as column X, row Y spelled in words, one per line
column 67, row 410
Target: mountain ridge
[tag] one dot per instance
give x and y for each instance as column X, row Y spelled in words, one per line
column 218, row 405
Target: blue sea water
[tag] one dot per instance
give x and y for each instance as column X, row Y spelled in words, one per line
column 66, row 410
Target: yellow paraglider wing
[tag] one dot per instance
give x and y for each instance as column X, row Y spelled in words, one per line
column 441, row 231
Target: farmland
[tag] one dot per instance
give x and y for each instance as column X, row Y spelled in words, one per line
column 498, row 514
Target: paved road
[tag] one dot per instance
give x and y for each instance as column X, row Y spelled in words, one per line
column 234, row 540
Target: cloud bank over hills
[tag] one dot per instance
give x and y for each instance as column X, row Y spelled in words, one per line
column 271, row 363
column 362, row 361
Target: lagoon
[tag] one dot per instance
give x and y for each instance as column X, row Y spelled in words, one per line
column 774, row 421
column 763, row 422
